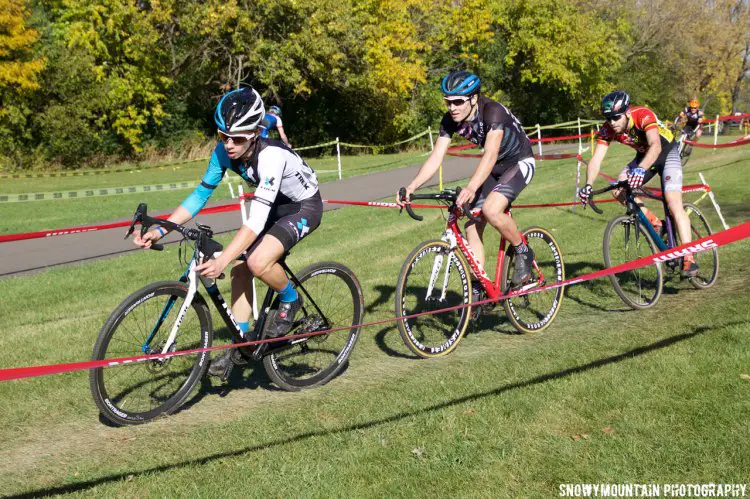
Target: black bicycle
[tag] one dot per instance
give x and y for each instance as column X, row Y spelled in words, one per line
column 631, row 236
column 685, row 149
column 165, row 317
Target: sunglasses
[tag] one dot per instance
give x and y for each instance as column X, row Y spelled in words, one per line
column 613, row 119
column 236, row 139
column 455, row 102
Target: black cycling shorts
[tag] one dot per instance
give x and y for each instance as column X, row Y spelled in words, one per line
column 291, row 222
column 509, row 183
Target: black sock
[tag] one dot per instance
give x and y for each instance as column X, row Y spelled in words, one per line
column 521, row 248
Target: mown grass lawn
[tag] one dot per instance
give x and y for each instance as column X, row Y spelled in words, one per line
column 603, row 395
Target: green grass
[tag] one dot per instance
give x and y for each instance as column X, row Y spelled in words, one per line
column 603, row 395
column 75, row 212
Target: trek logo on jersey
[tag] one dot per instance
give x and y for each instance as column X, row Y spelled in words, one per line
column 302, row 180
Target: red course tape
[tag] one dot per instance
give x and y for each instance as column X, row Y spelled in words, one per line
column 716, row 240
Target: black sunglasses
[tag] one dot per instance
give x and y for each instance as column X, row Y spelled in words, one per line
column 613, row 118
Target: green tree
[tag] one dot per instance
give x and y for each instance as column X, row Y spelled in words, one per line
column 19, row 72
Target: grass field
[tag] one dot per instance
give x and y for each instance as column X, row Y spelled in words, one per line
column 56, row 214
column 603, row 395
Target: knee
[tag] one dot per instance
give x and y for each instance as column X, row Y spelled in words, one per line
column 257, row 265
column 619, row 194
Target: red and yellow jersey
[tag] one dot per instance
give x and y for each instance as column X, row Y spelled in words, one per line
column 641, row 119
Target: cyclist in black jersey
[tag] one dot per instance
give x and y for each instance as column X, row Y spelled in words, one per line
column 506, row 168
column 285, row 208
column 692, row 118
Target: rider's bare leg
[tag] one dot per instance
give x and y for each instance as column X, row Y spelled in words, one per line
column 494, row 212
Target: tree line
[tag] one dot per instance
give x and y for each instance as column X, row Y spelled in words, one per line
column 85, row 82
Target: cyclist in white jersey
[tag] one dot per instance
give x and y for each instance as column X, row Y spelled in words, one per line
column 285, row 208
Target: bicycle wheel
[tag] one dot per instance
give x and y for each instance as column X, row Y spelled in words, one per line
column 142, row 391
column 433, row 277
column 316, row 360
column 708, row 261
column 536, row 311
column 685, row 154
column 625, row 240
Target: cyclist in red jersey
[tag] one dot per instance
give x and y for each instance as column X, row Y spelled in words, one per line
column 639, row 128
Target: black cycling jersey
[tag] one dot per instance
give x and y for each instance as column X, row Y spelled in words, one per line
column 492, row 115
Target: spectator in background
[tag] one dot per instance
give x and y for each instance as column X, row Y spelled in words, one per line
column 272, row 120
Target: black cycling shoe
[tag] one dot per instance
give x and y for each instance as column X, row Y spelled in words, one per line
column 221, row 364
column 522, row 265
column 282, row 322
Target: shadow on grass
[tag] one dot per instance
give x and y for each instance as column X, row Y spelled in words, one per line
column 635, row 352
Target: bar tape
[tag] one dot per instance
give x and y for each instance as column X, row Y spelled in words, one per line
column 739, row 142
column 707, row 243
column 90, row 193
column 233, row 207
column 103, row 171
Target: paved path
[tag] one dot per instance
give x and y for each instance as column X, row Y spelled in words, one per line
column 34, row 255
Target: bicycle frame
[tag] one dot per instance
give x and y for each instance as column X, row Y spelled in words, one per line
column 633, row 208
column 455, row 238
column 191, row 277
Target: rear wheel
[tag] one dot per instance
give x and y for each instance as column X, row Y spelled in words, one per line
column 434, row 276
column 142, row 391
column 708, row 261
column 625, row 240
column 315, row 360
column 536, row 311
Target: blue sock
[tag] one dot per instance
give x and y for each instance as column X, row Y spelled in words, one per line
column 244, row 326
column 288, row 294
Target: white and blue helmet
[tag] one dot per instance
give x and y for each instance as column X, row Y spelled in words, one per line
column 240, row 111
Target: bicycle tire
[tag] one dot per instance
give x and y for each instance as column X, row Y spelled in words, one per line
column 699, row 227
column 142, row 391
column 316, row 360
column 629, row 285
column 434, row 335
column 536, row 311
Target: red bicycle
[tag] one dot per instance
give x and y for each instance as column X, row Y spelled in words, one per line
column 436, row 275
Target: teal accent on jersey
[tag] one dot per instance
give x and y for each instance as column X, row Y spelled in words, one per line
column 211, row 179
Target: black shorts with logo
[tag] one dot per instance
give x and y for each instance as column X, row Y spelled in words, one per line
column 291, row 222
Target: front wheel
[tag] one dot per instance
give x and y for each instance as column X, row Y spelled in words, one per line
column 315, row 360
column 536, row 311
column 626, row 240
column 708, row 261
column 687, row 150
column 434, row 276
column 142, row 391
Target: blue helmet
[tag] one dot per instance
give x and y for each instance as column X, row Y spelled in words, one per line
column 461, row 83
column 275, row 110
column 239, row 111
